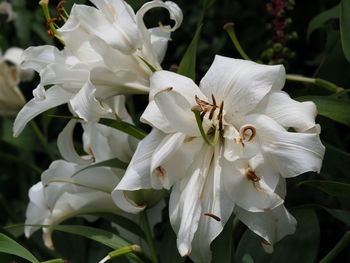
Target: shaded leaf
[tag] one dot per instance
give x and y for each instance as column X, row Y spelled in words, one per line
column 10, row 246
column 330, row 107
column 123, row 222
column 345, row 27
column 136, row 4
column 114, row 163
column 319, row 20
column 339, row 214
column 333, row 188
column 124, row 127
column 302, row 246
column 187, row 65
column 222, row 245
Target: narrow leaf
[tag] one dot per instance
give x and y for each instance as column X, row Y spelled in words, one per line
column 345, row 27
column 187, row 65
column 10, row 246
column 114, row 163
column 102, row 236
column 333, row 188
column 319, row 20
column 330, row 107
column 124, row 127
column 123, row 222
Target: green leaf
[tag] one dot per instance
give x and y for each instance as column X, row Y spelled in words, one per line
column 123, row 222
column 345, row 27
column 102, row 236
column 187, row 65
column 9, row 246
column 333, row 188
column 330, row 107
column 124, row 127
column 302, row 246
column 341, row 215
column 136, row 4
column 115, row 163
column 247, row 259
column 208, row 3
column 319, row 20
column 57, row 260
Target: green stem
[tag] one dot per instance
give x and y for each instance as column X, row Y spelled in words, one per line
column 316, row 81
column 229, row 28
column 45, row 6
column 201, row 129
column 149, row 238
column 42, row 139
column 235, row 223
column 341, row 245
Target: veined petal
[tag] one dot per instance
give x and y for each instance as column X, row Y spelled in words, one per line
column 164, row 151
column 177, row 110
column 272, row 226
column 138, row 176
column 185, row 201
column 290, row 153
column 38, row 58
column 93, row 21
column 162, row 80
column 87, row 106
column 288, row 112
column 241, row 84
column 55, row 96
column 215, row 203
column 250, row 193
column 66, row 147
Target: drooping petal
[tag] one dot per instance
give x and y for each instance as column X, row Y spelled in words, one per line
column 86, row 106
column 272, row 225
column 185, row 201
column 250, row 193
column 241, row 84
column 288, row 112
column 55, row 96
column 6, row 8
column 217, row 207
column 290, row 153
column 66, row 147
column 138, row 174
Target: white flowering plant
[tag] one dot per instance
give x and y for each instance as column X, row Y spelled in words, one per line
column 159, row 131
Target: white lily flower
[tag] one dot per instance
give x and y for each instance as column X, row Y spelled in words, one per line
column 247, row 150
column 66, row 190
column 11, row 98
column 6, row 8
column 103, row 57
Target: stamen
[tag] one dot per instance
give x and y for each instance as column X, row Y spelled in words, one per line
column 213, row 99
column 248, row 132
column 220, row 115
column 212, row 113
column 252, row 176
column 213, row 216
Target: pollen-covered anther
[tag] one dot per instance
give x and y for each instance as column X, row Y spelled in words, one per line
column 248, row 133
column 213, row 216
column 252, row 176
column 160, row 171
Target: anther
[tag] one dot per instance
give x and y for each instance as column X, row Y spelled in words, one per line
column 252, row 176
column 213, row 99
column 248, row 133
column 213, row 216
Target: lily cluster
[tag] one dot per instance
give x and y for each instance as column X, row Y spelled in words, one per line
column 224, row 146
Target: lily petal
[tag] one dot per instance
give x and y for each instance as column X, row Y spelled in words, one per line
column 288, row 112
column 241, row 84
column 66, row 147
column 272, row 226
column 87, row 106
column 55, row 96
